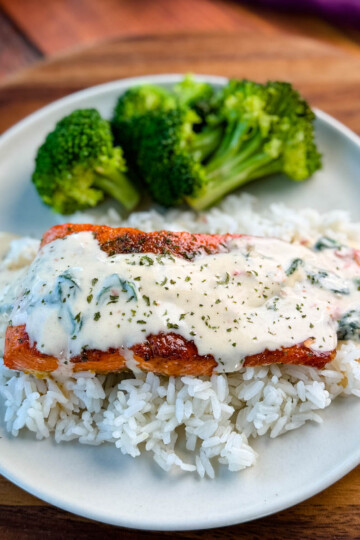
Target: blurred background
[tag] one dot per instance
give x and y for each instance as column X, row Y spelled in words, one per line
column 31, row 30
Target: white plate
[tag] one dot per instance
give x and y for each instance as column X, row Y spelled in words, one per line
column 100, row 483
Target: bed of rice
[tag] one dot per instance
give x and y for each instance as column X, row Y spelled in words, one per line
column 189, row 423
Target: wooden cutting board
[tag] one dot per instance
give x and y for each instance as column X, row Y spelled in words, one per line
column 328, row 74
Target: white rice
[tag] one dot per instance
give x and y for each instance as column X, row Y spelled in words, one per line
column 190, row 423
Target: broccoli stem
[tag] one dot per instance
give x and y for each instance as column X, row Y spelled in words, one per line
column 117, row 185
column 229, row 146
column 227, row 164
column 240, row 159
column 219, row 183
column 205, row 142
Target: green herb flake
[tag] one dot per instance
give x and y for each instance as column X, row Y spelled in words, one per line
column 224, row 281
column 172, row 325
column 146, row 261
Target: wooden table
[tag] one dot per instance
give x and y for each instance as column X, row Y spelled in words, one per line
column 327, row 71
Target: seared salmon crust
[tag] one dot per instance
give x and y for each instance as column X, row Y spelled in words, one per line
column 165, row 354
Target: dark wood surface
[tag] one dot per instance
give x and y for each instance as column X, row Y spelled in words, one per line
column 327, row 74
column 16, row 51
column 327, row 70
column 30, row 29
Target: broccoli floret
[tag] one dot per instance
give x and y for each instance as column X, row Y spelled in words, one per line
column 164, row 138
column 192, row 93
column 163, row 159
column 130, row 110
column 139, row 101
column 269, row 129
column 195, row 145
column 131, row 106
column 202, row 99
column 78, row 163
column 253, row 130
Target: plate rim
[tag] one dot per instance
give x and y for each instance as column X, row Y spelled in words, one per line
column 333, row 476
column 79, row 510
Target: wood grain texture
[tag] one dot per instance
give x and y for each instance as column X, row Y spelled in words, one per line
column 51, row 27
column 60, row 24
column 329, row 75
column 16, row 51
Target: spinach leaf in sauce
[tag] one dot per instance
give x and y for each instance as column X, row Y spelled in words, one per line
column 65, row 289
column 326, row 280
column 113, row 285
column 326, row 243
column 349, row 326
column 296, row 263
column 66, row 286
column 357, row 283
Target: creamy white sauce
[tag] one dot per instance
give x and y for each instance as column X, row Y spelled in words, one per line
column 262, row 294
column 15, row 256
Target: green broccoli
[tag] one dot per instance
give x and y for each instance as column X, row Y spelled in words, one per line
column 78, row 163
column 253, row 130
column 141, row 100
column 138, row 100
column 162, row 158
column 131, row 106
column 152, row 123
column 202, row 99
column 197, row 95
column 269, row 129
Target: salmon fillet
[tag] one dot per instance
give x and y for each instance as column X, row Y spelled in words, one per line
column 165, row 354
